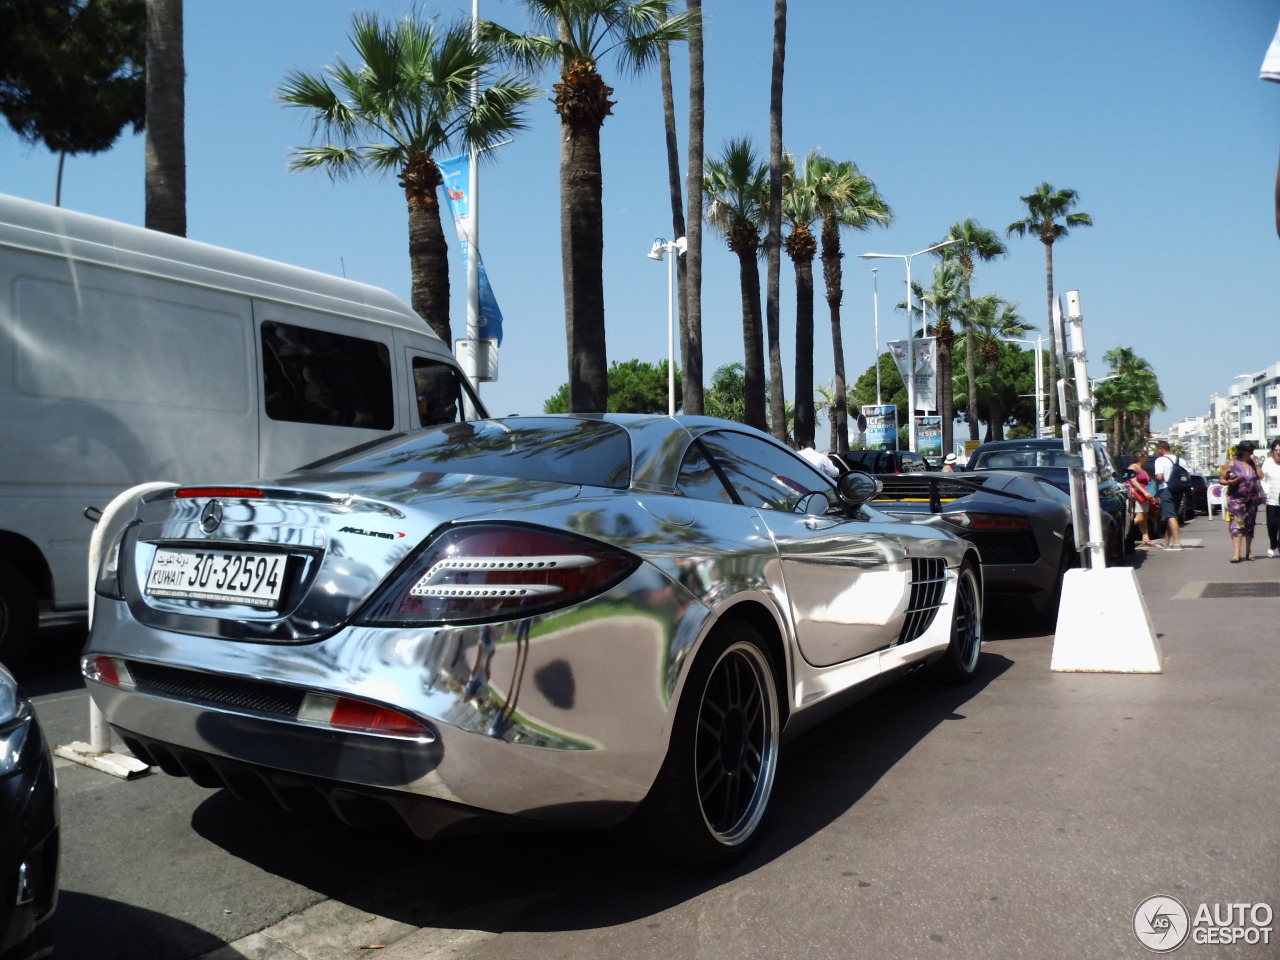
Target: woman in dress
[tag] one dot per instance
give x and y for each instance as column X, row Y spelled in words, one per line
column 1271, row 487
column 1240, row 477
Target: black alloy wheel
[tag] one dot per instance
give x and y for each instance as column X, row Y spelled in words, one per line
column 711, row 796
column 959, row 662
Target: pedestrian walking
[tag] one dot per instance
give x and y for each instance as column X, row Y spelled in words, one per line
column 1168, row 497
column 1244, row 492
column 1271, row 490
column 949, row 463
column 1141, row 494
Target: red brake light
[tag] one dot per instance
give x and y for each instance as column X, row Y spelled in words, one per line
column 250, row 493
column 988, row 522
column 498, row 571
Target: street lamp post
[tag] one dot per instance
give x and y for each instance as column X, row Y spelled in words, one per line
column 659, row 251
column 875, row 303
column 911, row 341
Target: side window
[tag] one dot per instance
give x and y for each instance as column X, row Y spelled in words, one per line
column 763, row 475
column 439, row 392
column 698, row 480
column 313, row 376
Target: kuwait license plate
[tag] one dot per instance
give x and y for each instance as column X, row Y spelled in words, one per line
column 254, row 579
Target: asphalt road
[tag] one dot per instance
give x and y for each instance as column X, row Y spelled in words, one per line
column 1026, row 815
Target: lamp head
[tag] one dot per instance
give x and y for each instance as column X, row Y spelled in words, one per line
column 658, row 251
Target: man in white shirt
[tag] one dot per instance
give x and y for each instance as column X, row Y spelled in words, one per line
column 819, row 460
column 1164, row 466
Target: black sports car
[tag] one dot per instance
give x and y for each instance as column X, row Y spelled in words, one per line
column 1020, row 523
column 28, row 829
column 1048, row 459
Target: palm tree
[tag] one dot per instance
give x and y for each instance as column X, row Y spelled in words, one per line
column 800, row 211
column 408, row 99
column 773, row 243
column 945, row 296
column 828, row 408
column 736, row 187
column 677, row 202
column 975, row 241
column 1049, row 218
column 846, row 198
column 691, row 334
column 576, row 34
column 1127, row 398
column 166, row 177
column 995, row 320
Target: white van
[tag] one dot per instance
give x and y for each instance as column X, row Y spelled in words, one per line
column 128, row 355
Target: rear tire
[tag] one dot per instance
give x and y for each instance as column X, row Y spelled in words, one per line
column 706, row 807
column 19, row 614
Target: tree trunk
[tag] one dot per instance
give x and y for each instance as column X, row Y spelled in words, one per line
column 429, row 260
column 166, row 156
column 946, row 395
column 773, row 243
column 995, row 411
column 832, row 275
column 677, row 197
column 805, row 425
column 582, row 101
column 1053, row 358
column 691, row 345
column 752, row 341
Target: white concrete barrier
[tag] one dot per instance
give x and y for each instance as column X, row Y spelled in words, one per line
column 1103, row 625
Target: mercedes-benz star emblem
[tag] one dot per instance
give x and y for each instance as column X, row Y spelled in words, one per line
column 211, row 517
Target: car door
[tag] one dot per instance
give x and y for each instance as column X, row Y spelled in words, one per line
column 846, row 580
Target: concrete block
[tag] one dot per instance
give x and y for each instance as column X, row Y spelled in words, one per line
column 1103, row 625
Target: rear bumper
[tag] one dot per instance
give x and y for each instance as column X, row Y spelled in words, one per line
column 564, row 721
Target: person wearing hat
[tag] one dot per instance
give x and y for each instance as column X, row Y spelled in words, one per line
column 1244, row 491
column 949, row 463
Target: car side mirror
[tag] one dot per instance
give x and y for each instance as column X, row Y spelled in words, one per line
column 856, row 488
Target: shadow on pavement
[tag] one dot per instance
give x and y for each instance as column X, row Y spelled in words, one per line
column 96, row 928
column 531, row 882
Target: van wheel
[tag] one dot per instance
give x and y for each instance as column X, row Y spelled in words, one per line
column 19, row 614
column 710, row 797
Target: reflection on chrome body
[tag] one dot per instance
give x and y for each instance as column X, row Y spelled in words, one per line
column 564, row 716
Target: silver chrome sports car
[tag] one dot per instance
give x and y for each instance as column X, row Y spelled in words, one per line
column 560, row 620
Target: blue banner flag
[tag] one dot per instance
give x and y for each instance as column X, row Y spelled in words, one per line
column 457, row 172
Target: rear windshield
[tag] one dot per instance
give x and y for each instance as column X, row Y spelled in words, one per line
column 556, row 449
column 1029, row 458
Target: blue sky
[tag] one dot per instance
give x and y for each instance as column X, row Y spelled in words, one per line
column 1154, row 113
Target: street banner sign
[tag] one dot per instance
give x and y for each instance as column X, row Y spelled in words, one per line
column 882, row 426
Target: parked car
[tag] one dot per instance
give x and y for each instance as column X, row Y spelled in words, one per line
column 1048, row 459
column 1020, row 523
column 1196, row 500
column 880, row 461
column 547, row 619
column 28, row 829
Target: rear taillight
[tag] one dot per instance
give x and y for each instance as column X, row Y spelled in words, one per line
column 344, row 713
column 988, row 522
column 496, row 571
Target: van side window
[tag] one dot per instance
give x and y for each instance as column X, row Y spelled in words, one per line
column 313, row 376
column 439, row 391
